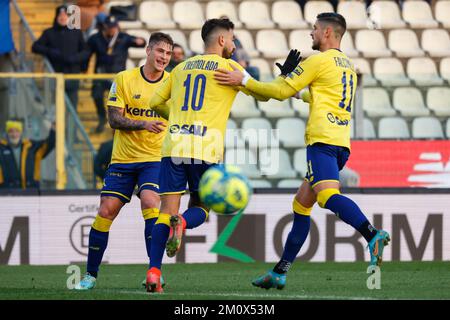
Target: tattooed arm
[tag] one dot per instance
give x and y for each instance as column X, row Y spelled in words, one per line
column 119, row 122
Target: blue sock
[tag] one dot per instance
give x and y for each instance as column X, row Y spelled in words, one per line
column 194, row 217
column 294, row 242
column 160, row 234
column 296, row 237
column 149, row 223
column 349, row 212
column 97, row 245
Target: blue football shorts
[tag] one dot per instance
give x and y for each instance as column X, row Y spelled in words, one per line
column 122, row 178
column 177, row 173
column 324, row 162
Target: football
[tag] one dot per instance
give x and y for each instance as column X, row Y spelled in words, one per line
column 224, row 189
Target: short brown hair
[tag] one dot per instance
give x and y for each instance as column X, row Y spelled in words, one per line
column 157, row 37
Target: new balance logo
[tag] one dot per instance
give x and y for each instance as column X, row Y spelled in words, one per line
column 137, row 96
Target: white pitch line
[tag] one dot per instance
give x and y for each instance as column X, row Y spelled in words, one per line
column 251, row 295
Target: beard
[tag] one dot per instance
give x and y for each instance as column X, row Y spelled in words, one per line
column 315, row 45
column 227, row 53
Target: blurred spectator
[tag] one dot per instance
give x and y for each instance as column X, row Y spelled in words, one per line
column 96, row 25
column 241, row 56
column 110, row 46
column 65, row 48
column 103, row 158
column 16, row 152
column 178, row 56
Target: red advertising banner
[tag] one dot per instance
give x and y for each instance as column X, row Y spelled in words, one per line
column 401, row 163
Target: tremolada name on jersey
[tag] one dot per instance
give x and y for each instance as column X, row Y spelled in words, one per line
column 149, row 113
column 194, row 129
column 201, row 65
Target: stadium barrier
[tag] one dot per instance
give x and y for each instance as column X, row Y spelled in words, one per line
column 53, row 228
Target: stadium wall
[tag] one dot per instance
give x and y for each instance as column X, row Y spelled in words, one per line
column 53, row 229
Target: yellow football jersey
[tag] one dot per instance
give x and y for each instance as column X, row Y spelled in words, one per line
column 200, row 108
column 131, row 91
column 332, row 83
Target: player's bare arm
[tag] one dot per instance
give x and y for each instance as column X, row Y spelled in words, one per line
column 119, row 122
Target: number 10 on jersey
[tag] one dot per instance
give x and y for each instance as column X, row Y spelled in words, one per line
column 198, row 92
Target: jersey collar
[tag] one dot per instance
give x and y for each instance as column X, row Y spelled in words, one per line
column 141, row 69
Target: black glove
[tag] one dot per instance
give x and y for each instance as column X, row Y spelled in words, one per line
column 292, row 61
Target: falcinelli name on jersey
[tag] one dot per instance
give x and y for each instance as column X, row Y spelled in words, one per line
column 194, row 129
column 343, row 63
column 201, row 65
column 141, row 112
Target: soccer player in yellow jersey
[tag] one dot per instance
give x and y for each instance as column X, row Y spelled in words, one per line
column 331, row 78
column 197, row 121
column 136, row 154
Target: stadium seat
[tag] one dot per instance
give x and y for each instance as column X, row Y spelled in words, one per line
column 260, row 183
column 363, row 66
column 272, row 43
column 376, row 102
column 390, row 72
column 233, row 138
column 313, row 8
column 244, row 106
column 427, row 128
column 409, row 102
column 288, row 15
column 142, row 62
column 301, row 107
column 368, row 130
column 289, row 183
column 245, row 159
column 354, row 13
column 423, row 71
column 255, row 15
column 418, row 14
column 196, row 42
column 138, row 53
column 264, row 69
column 301, row 40
column 123, row 23
column 217, row 9
column 386, row 15
column 276, row 109
column 179, row 37
column 404, row 43
column 438, row 100
column 258, row 133
column 371, row 43
column 292, row 132
column 347, row 46
column 156, row 15
column 436, row 42
column 442, row 12
column 130, row 64
column 275, row 163
column 246, row 39
column 188, row 14
column 299, row 162
column 444, row 68
column 393, row 128
column 447, row 128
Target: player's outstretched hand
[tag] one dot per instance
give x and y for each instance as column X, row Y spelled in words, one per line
column 293, row 59
column 230, row 78
column 155, row 126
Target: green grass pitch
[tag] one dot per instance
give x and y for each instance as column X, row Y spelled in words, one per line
column 399, row 280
